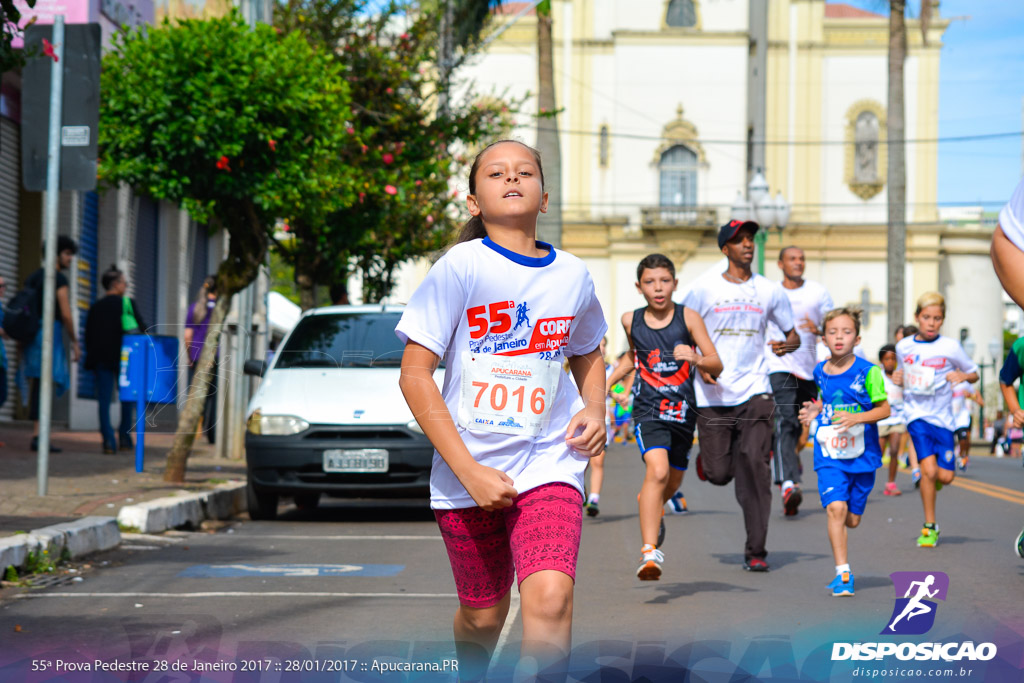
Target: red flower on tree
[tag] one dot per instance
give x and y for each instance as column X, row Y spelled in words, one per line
column 273, row 145
column 49, row 51
column 223, row 164
column 391, row 189
column 387, row 157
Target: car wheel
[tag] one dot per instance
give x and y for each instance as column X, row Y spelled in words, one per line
column 307, row 501
column 262, row 505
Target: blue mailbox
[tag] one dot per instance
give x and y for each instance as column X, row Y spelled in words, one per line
column 149, row 374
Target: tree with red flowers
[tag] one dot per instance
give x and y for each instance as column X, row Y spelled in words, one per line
column 407, row 152
column 238, row 125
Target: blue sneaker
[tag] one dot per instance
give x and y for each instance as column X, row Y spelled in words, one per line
column 842, row 585
column 676, row 505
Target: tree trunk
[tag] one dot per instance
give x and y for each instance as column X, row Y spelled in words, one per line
column 896, row 180
column 307, row 291
column 445, row 62
column 247, row 249
column 549, row 226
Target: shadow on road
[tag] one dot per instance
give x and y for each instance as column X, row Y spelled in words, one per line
column 776, row 558
column 672, row 591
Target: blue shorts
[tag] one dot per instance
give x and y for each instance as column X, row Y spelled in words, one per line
column 930, row 440
column 852, row 488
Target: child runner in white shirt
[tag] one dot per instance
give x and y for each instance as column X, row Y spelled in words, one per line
column 511, row 433
column 929, row 366
column 846, row 447
column 892, row 431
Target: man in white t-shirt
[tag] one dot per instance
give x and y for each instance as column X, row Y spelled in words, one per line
column 735, row 413
column 791, row 375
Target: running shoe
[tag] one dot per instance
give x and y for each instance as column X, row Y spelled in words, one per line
column 661, row 531
column 700, row 469
column 905, row 461
column 842, row 585
column 885, row 459
column 964, row 461
column 650, row 565
column 1019, row 545
column 592, row 509
column 791, row 499
column 676, row 505
column 756, row 564
column 892, row 490
column 915, row 474
column 929, row 538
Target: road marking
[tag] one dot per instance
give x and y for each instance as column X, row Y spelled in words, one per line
column 216, row 571
column 237, row 594
column 990, row 487
column 973, row 486
column 513, row 612
column 340, row 538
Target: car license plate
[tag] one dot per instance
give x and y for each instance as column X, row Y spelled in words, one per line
column 356, row 460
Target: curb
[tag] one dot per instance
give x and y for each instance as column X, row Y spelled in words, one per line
column 80, row 537
column 186, row 510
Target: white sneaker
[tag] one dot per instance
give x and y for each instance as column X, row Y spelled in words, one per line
column 650, row 565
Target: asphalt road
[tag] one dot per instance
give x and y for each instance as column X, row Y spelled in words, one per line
column 353, row 585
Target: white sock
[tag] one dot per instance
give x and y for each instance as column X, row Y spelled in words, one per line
column 594, row 497
column 840, row 568
column 788, row 484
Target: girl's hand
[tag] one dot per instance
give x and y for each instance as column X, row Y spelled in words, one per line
column 706, row 376
column 591, row 441
column 809, row 411
column 845, row 420
column 897, row 378
column 491, row 489
column 1018, row 418
column 685, row 354
column 955, row 377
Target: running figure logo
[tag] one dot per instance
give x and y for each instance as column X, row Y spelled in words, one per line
column 521, row 318
column 914, row 613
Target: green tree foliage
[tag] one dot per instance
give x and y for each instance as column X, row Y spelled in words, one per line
column 9, row 17
column 237, row 125
column 406, row 154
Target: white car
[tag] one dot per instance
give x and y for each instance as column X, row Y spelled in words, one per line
column 329, row 417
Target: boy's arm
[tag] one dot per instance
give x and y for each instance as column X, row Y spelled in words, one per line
column 625, row 364
column 589, row 373
column 710, row 363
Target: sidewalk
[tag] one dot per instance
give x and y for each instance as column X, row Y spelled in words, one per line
column 83, row 481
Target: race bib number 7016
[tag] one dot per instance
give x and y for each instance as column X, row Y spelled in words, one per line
column 507, row 394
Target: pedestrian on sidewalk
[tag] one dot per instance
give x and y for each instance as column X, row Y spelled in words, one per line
column 735, row 414
column 792, row 375
column 62, row 322
column 109, row 319
column 197, row 325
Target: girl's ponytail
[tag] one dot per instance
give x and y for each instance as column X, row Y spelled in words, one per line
column 472, row 230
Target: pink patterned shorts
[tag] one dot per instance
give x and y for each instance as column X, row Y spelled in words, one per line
column 540, row 530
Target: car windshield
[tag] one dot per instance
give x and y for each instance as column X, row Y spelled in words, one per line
column 354, row 340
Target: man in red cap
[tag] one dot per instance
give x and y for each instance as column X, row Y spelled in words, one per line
column 735, row 413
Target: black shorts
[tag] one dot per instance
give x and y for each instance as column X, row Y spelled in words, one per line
column 674, row 437
column 963, row 433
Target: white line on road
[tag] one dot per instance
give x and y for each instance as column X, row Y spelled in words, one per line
column 238, row 594
column 513, row 612
column 339, row 538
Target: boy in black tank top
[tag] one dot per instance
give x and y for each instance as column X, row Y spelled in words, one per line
column 662, row 336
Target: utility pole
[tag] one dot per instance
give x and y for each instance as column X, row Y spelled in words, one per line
column 897, row 178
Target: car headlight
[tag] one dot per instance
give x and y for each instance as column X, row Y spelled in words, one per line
column 275, row 425
column 413, row 425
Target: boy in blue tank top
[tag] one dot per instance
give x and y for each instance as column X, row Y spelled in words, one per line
column 846, row 447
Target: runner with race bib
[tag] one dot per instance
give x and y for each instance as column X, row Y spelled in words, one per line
column 930, row 365
column 512, row 434
column 843, row 423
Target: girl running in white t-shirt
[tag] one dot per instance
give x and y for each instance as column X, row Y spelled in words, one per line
column 930, row 365
column 512, row 434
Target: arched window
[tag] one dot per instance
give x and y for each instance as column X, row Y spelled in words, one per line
column 865, row 136
column 681, row 13
column 678, row 170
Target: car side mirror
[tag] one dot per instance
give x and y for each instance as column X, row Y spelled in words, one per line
column 255, row 367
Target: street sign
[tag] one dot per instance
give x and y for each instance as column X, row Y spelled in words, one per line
column 80, row 112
